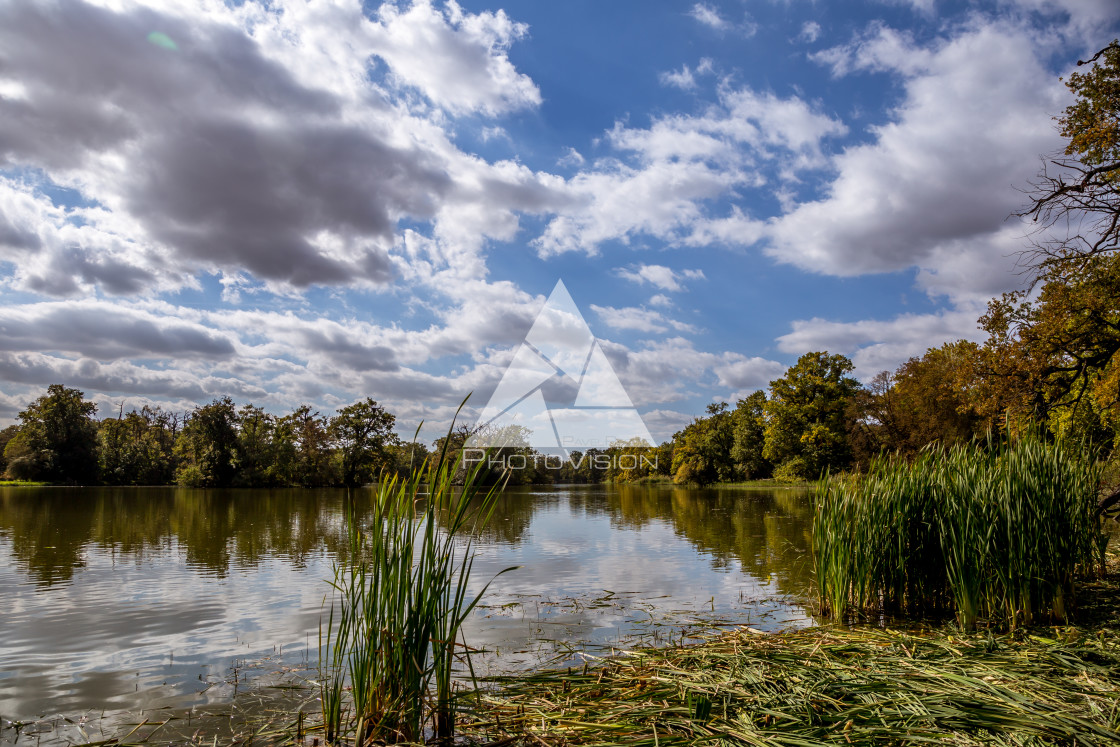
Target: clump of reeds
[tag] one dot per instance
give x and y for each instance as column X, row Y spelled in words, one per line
column 996, row 531
column 839, row 686
column 388, row 646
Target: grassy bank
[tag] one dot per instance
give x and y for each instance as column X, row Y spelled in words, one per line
column 767, row 483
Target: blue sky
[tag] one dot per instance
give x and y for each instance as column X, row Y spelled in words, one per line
column 321, row 200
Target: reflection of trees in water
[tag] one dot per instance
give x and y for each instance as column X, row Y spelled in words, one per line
column 513, row 513
column 765, row 532
column 49, row 528
column 589, row 500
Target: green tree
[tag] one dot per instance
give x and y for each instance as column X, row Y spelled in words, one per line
column 806, row 416
column 311, row 448
column 631, row 460
column 6, row 435
column 57, row 439
column 255, row 455
column 206, row 446
column 409, row 455
column 363, row 434
column 702, row 451
column 136, row 448
column 748, row 431
column 590, row 466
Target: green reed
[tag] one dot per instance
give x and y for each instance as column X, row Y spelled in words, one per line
column 389, row 645
column 996, row 531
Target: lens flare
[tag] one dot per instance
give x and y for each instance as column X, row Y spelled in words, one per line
column 161, row 39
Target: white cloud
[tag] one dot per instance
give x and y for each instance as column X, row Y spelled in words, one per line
column 1085, row 17
column 875, row 345
column 572, row 157
column 685, row 78
column 641, row 320
column 810, row 32
column 680, row 162
column 664, row 423
column 681, row 79
column 257, row 144
column 457, row 59
column 935, row 186
column 659, row 276
column 708, row 16
column 744, row 374
column 672, row 369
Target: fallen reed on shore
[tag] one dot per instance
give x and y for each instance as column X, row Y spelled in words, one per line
column 824, row 686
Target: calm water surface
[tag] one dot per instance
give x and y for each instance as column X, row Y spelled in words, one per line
column 130, row 598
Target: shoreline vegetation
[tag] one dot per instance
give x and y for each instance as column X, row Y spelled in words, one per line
column 870, row 682
column 1003, row 536
column 1010, row 669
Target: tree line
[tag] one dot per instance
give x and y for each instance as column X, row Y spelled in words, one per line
column 218, row 445
column 59, row 440
column 815, row 418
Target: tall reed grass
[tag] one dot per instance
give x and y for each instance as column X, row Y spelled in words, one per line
column 995, row 531
column 388, row 645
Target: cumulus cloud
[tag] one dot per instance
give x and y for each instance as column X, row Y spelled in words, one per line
column 680, row 162
column 659, row 276
column 743, row 374
column 936, row 184
column 641, row 320
column 878, row 345
column 244, row 142
column 458, row 60
column 672, row 369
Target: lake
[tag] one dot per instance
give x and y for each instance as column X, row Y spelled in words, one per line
column 122, row 599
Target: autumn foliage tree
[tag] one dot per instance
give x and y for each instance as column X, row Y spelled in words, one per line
column 928, row 399
column 1053, row 352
